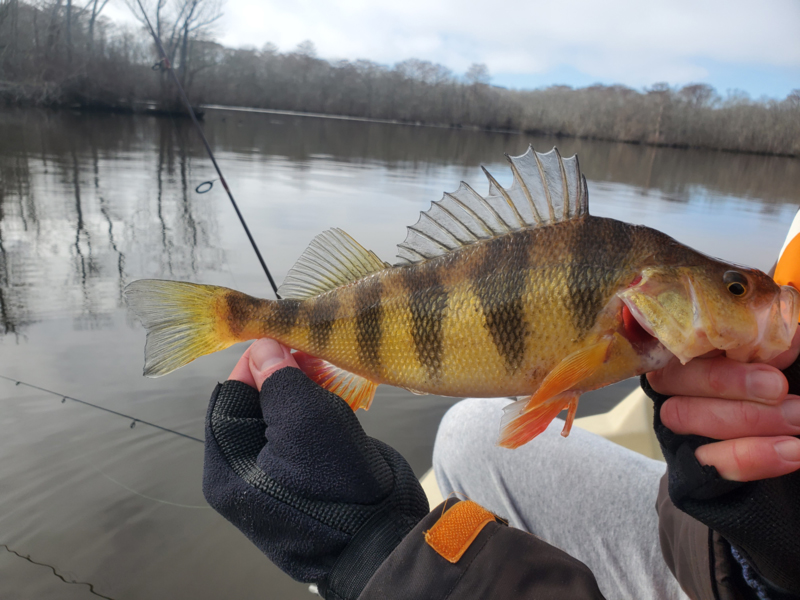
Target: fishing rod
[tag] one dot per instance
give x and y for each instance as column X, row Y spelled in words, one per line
column 134, row 421
column 168, row 67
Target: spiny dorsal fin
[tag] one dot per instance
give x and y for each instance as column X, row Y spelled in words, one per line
column 546, row 189
column 332, row 259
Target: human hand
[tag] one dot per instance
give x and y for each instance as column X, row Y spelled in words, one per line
column 745, row 405
column 325, row 502
column 732, row 460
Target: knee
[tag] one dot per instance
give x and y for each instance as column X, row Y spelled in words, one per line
column 468, row 433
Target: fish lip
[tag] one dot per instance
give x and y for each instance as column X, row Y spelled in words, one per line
column 790, row 308
column 778, row 324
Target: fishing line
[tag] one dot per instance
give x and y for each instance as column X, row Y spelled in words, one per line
column 132, row 419
column 145, row 496
column 167, row 66
column 56, row 573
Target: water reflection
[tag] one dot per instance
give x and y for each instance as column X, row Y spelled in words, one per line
column 675, row 172
column 78, row 198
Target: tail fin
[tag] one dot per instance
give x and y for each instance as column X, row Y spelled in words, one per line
column 183, row 321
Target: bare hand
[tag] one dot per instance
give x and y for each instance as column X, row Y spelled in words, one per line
column 745, row 405
column 260, row 360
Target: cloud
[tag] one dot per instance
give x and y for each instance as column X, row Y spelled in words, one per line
column 633, row 42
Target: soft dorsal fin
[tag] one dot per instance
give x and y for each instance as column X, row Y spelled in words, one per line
column 332, row 259
column 546, row 189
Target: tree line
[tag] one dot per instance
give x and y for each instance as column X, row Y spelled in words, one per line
column 57, row 53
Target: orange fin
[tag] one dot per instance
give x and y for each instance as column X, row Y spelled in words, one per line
column 572, row 370
column 357, row 391
column 522, row 422
column 525, row 419
column 573, row 407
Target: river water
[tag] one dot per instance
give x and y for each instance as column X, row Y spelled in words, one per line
column 89, row 203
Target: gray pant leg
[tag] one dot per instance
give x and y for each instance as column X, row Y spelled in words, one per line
column 588, row 496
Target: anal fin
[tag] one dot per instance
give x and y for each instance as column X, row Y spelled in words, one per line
column 525, row 419
column 357, row 391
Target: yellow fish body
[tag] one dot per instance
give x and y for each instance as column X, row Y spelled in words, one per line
column 519, row 293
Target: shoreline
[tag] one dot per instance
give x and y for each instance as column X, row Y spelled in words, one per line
column 151, row 109
column 293, row 113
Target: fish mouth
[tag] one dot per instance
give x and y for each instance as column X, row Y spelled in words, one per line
column 653, row 355
column 646, row 319
column 698, row 333
column 635, row 327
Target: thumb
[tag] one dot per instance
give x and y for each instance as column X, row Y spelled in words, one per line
column 266, row 357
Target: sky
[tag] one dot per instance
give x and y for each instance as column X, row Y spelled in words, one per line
column 730, row 44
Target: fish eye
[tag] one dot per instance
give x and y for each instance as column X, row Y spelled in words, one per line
column 736, row 282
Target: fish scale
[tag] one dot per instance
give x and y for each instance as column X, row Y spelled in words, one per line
column 519, row 293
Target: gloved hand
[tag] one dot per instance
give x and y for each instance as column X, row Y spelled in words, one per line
column 747, row 485
column 292, row 468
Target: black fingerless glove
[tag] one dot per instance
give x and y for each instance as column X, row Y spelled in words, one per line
column 760, row 519
column 325, row 502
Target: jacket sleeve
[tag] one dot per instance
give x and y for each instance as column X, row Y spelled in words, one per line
column 500, row 562
column 699, row 558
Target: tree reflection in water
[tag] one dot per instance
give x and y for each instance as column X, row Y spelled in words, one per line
column 78, row 198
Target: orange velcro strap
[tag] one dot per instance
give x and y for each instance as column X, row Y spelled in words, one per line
column 457, row 529
column 787, row 271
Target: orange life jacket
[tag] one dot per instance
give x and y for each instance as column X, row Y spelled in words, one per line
column 787, row 271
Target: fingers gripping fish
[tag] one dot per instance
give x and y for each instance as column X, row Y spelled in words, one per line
column 518, row 293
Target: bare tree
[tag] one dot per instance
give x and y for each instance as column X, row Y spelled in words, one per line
column 698, row 94
column 478, row 73
column 195, row 19
column 95, row 7
column 179, row 24
column 9, row 23
column 307, row 49
column 793, row 99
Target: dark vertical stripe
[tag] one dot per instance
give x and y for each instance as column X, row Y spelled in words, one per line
column 369, row 315
column 321, row 316
column 283, row 317
column 427, row 303
column 242, row 309
column 598, row 248
column 499, row 281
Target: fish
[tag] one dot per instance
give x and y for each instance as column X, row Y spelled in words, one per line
column 519, row 293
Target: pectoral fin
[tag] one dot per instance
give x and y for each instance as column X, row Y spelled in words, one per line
column 357, row 391
column 525, row 419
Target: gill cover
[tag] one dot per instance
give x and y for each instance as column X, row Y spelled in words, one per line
column 691, row 313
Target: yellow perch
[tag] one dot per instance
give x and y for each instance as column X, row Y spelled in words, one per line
column 518, row 293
